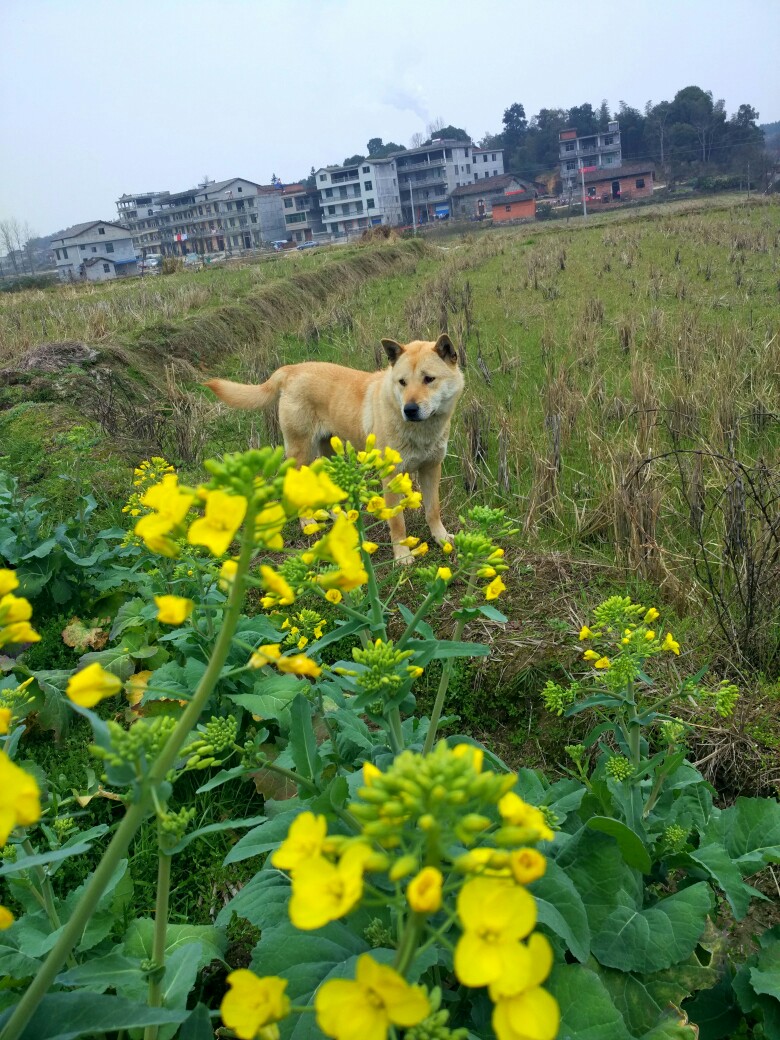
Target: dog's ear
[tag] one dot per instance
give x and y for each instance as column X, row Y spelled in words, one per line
column 392, row 349
column 445, row 348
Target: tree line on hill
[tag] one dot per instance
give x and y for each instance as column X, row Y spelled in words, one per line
column 689, row 136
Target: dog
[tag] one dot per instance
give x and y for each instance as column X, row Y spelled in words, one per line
column 408, row 406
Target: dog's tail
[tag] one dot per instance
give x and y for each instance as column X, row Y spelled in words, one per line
column 246, row 395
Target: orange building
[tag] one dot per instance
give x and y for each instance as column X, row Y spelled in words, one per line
column 514, row 205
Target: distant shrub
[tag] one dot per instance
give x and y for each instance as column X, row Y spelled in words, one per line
column 29, row 281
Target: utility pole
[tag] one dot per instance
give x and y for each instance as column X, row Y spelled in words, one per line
column 584, row 204
column 411, row 199
column 748, row 178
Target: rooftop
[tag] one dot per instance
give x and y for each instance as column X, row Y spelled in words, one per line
column 493, row 185
column 79, row 229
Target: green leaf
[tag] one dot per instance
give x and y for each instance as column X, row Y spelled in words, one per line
column 65, row 1016
column 433, row 649
column 587, row 1010
column 41, row 858
column 139, row 940
column 489, row 611
column 602, row 877
column 262, row 901
column 644, row 999
column 715, row 1011
column 117, row 660
column 102, row 973
column 213, row 828
column 750, row 832
column 263, row 838
column 181, row 970
column 630, row 844
column 656, row 938
column 272, row 697
column 561, row 909
column 13, row 963
column 721, row 868
column 198, row 1026
column 303, row 744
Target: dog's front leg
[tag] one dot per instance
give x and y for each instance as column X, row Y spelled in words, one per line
column 429, row 476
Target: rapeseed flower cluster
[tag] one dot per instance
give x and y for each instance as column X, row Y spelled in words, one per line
column 15, row 613
column 368, row 475
column 456, row 844
column 20, row 798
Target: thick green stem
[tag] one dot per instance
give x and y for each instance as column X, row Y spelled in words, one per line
column 160, row 935
column 46, row 894
column 634, row 728
column 134, row 816
column 409, row 941
column 441, row 693
column 394, row 731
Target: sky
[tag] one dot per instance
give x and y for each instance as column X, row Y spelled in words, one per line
column 104, row 97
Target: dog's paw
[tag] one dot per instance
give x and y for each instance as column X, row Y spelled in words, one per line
column 402, row 557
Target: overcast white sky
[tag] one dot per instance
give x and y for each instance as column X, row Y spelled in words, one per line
column 102, row 97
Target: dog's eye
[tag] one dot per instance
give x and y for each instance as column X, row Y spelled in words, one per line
column 428, row 379
column 402, row 382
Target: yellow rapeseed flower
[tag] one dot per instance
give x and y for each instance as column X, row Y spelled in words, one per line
column 494, row 915
column 304, row 490
column 173, row 610
column 410, row 541
column 670, row 643
column 603, row 662
column 217, row 528
column 92, row 685
column 590, row 655
column 276, row 585
column 6, row 918
column 446, row 547
column 20, row 798
column 364, row 1009
column 170, row 505
column 585, row 633
column 8, row 581
column 518, row 813
column 227, row 574
column 649, row 635
column 341, row 547
column 18, row 632
column 333, row 596
column 299, row 664
column 527, row 865
column 369, row 547
column 14, row 609
column 651, row 616
column 424, row 891
column 495, row 588
column 444, row 573
column 5, row 720
column 269, row 523
column 304, row 841
column 324, row 892
column 370, row 773
column 265, row 655
column 523, row 1010
column 469, row 751
column 252, row 1003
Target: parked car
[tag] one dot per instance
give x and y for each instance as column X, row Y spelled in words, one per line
column 150, row 261
column 307, row 245
column 193, row 260
column 280, row 244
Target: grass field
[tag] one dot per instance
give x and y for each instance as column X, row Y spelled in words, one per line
column 623, row 398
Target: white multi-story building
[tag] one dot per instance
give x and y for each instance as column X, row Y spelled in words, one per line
column 302, row 214
column 428, row 176
column 601, row 150
column 96, row 250
column 487, row 162
column 356, row 197
column 235, row 214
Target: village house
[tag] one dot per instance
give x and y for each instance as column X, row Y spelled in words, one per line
column 475, row 201
column 487, row 162
column 623, row 184
column 515, row 205
column 97, row 251
column 359, row 196
column 302, row 213
column 602, row 150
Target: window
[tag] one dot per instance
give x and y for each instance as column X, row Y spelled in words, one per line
column 107, row 268
column 94, row 250
column 149, row 212
column 83, row 249
column 366, row 169
column 329, row 193
column 508, row 209
column 468, row 167
column 253, row 218
column 569, row 147
column 331, row 209
column 323, row 176
column 288, row 203
column 609, row 139
column 368, row 185
column 109, row 247
column 640, row 182
column 101, row 231
column 493, row 157
column 239, row 188
column 370, row 204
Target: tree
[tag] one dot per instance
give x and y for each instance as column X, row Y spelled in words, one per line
column 377, row 149
column 353, row 160
column 694, row 107
column 515, row 125
column 489, row 140
column 604, row 116
column 10, row 236
column 656, row 119
column 374, row 146
column 632, row 131
column 451, row 133
column 417, row 140
column 584, row 119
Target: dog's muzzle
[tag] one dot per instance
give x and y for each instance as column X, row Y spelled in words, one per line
column 412, row 413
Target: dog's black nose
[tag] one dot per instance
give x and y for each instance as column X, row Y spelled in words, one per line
column 411, row 411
